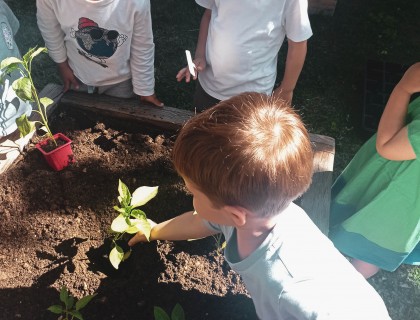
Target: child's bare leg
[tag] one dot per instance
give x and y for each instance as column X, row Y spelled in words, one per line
column 366, row 269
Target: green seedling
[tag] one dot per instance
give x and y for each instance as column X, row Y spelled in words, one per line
column 69, row 309
column 25, row 89
column 176, row 314
column 130, row 220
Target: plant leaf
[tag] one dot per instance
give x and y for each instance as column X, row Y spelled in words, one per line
column 84, row 301
column 70, row 302
column 9, row 61
column 124, row 194
column 24, row 125
column 45, row 101
column 141, row 224
column 64, row 295
column 127, row 255
column 56, row 308
column 142, row 195
column 76, row 314
column 178, row 313
column 115, row 256
column 119, row 224
column 23, row 88
column 37, row 51
column 120, row 210
column 160, row 314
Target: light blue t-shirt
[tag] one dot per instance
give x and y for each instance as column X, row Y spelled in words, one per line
column 11, row 107
column 297, row 273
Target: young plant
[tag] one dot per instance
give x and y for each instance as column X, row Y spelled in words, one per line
column 176, row 314
column 70, row 307
column 25, row 89
column 130, row 220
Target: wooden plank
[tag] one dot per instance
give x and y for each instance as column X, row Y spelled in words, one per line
column 127, row 109
column 316, row 200
column 12, row 147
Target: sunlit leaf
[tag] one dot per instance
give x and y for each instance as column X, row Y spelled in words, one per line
column 142, row 195
column 9, row 61
column 116, row 256
column 178, row 313
column 57, row 309
column 84, row 301
column 119, row 224
column 140, row 225
column 120, row 210
column 45, row 101
column 139, row 214
column 160, row 314
column 37, row 51
column 124, row 194
column 24, row 125
column 23, row 88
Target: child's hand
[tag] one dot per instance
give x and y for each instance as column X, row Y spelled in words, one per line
column 67, row 75
column 410, row 82
column 199, row 65
column 139, row 236
column 152, row 99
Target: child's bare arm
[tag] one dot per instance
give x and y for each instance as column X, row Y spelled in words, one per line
column 392, row 140
column 200, row 51
column 296, row 54
column 186, row 226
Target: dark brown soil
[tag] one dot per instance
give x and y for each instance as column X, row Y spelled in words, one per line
column 54, row 226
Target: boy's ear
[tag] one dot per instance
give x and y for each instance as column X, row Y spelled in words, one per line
column 237, row 214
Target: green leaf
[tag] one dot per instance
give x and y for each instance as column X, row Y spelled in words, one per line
column 64, row 295
column 56, row 308
column 141, row 224
column 70, row 302
column 23, row 89
column 142, row 195
column 127, row 255
column 84, row 301
column 160, row 314
column 45, row 101
column 38, row 51
column 124, row 194
column 76, row 314
column 27, row 57
column 178, row 313
column 119, row 224
column 120, row 210
column 116, row 256
column 24, row 125
column 10, row 61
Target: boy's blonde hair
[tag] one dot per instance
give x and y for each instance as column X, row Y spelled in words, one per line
column 251, row 150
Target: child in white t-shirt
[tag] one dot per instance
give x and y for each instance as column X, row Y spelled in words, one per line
column 101, row 45
column 238, row 45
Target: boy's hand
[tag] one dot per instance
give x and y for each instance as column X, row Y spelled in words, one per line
column 139, row 236
column 199, row 65
column 152, row 99
column 410, row 82
column 67, row 75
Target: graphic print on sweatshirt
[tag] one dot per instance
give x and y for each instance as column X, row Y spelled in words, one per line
column 97, row 44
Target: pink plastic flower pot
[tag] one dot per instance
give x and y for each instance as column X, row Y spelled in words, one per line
column 60, row 157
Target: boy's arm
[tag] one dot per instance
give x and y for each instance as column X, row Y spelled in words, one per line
column 392, row 140
column 296, row 54
column 200, row 50
column 142, row 56
column 186, row 226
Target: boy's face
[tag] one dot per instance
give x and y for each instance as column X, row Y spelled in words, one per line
column 205, row 207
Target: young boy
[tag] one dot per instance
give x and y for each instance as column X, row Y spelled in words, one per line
column 244, row 161
column 101, row 45
column 238, row 45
